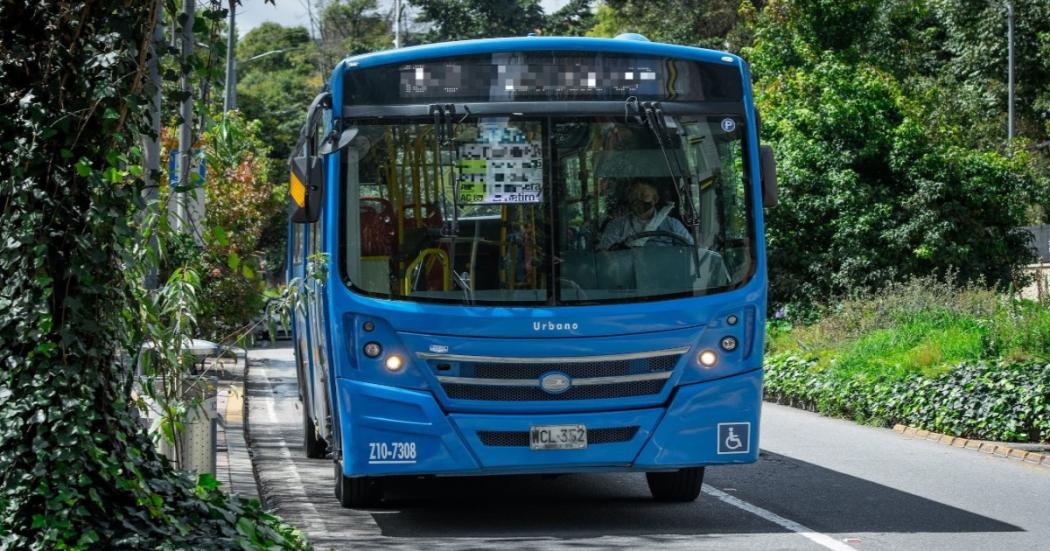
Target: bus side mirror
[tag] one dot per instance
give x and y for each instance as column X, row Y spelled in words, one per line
column 306, row 189
column 769, row 176
column 337, row 141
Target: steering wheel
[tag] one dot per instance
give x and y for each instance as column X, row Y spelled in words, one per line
column 625, row 243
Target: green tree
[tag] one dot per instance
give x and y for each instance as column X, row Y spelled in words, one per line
column 242, row 204
column 77, row 469
column 706, row 23
column 351, row 27
column 575, row 18
column 465, row 19
column 277, row 79
column 874, row 188
column 974, row 45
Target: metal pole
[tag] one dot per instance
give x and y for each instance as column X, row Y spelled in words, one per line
column 186, row 114
column 397, row 24
column 151, row 144
column 1010, row 72
column 230, row 101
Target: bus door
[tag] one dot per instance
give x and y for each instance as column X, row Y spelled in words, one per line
column 316, row 263
column 297, row 271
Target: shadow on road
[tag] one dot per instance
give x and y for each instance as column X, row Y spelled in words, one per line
column 595, row 511
column 581, row 506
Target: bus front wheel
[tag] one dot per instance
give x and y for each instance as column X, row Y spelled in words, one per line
column 354, row 492
column 679, row 486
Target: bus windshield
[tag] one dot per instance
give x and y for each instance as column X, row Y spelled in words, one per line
column 556, row 210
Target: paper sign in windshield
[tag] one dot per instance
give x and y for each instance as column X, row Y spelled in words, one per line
column 501, row 167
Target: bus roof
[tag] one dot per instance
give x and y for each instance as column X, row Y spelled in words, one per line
column 626, row 44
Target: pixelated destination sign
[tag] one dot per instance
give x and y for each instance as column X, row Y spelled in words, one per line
column 543, row 76
column 500, row 167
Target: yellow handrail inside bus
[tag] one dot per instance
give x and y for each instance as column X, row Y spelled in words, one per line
column 406, row 284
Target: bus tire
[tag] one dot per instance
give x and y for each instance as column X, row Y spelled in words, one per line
column 355, row 492
column 679, row 486
column 315, row 448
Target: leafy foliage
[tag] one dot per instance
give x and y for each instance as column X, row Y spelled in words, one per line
column 77, row 469
column 276, row 88
column 707, row 23
column 1001, row 401
column 242, row 204
column 575, row 18
column 351, row 27
column 874, row 189
column 957, row 359
column 465, row 19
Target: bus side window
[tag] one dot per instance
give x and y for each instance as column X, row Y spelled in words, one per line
column 315, row 239
column 297, row 244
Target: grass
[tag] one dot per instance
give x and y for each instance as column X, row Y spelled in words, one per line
column 922, row 326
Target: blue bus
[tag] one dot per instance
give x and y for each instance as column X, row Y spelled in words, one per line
column 532, row 255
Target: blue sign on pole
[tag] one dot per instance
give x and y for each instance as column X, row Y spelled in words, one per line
column 196, row 160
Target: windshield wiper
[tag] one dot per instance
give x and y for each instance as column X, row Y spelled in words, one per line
column 653, row 116
column 444, row 132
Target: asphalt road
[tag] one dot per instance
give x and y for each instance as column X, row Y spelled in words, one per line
column 819, row 484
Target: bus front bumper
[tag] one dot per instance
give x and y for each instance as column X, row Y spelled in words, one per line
column 393, row 431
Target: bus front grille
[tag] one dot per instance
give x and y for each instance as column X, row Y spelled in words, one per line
column 528, row 379
column 576, row 369
column 521, row 438
column 536, row 394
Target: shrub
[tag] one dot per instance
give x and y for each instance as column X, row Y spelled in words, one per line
column 1004, row 401
column 962, row 360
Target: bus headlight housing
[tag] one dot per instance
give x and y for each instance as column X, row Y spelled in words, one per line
column 707, row 358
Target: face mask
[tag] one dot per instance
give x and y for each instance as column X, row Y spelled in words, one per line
column 642, row 208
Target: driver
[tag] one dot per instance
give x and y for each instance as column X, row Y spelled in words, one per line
column 643, row 216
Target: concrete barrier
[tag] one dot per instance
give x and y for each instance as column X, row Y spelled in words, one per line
column 1039, row 288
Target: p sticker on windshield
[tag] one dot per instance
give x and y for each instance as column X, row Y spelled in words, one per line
column 728, row 125
column 501, row 167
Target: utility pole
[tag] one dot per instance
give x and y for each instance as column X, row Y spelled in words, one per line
column 397, row 24
column 151, row 143
column 180, row 200
column 230, row 101
column 1010, row 72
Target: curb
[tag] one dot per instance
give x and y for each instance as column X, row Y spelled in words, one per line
column 237, row 473
column 1034, row 459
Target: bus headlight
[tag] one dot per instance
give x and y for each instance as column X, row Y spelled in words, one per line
column 373, row 349
column 394, row 363
column 707, row 358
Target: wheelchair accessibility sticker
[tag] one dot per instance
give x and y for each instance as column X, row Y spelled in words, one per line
column 734, row 438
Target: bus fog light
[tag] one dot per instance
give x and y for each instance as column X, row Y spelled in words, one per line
column 728, row 344
column 707, row 358
column 373, row 350
column 394, row 363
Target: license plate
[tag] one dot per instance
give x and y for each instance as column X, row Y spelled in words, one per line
column 558, row 437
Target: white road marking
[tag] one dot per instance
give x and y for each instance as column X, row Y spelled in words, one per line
column 286, row 456
column 816, row 537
